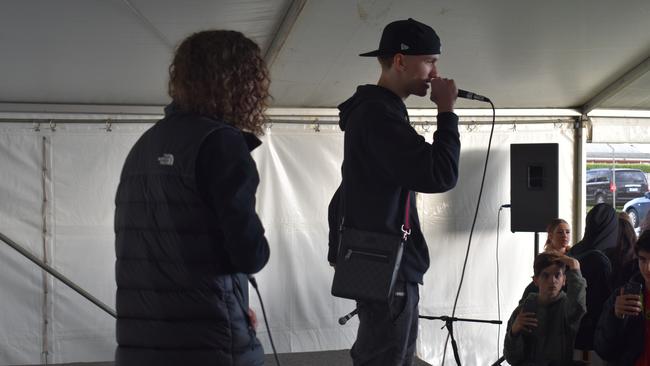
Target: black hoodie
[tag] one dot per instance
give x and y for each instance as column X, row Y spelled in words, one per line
column 601, row 230
column 384, row 158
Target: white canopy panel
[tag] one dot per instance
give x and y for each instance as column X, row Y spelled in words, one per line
column 521, row 54
column 635, row 96
column 111, row 52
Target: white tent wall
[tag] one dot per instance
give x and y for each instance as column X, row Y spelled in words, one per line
column 299, row 169
column 21, row 217
column 86, row 164
column 82, row 165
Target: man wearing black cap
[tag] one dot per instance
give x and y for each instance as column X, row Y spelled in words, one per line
column 385, row 160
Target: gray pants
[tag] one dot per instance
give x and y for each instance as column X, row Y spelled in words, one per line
column 387, row 331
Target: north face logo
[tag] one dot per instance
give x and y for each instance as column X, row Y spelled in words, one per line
column 166, row 159
column 403, row 47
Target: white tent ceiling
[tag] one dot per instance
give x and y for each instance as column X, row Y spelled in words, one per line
column 522, row 54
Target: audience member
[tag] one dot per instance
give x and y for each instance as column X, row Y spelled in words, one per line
column 623, row 332
column 541, row 330
column 623, row 257
column 558, row 236
column 601, row 232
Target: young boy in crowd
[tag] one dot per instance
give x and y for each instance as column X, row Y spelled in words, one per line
column 623, row 331
column 542, row 330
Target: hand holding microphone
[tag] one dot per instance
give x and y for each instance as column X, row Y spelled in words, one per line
column 444, row 93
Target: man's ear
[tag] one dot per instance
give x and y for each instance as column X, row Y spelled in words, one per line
column 398, row 62
column 536, row 281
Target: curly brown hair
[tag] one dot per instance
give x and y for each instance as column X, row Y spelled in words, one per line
column 221, row 74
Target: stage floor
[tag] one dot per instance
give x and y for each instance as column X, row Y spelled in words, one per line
column 324, row 358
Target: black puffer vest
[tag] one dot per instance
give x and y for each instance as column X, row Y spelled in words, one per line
column 177, row 301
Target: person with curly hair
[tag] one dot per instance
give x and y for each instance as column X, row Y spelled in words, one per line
column 187, row 234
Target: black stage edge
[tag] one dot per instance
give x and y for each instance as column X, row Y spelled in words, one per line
column 324, row 358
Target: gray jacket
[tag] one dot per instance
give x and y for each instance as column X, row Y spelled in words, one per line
column 551, row 343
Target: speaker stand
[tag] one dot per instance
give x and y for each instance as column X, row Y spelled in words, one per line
column 536, row 246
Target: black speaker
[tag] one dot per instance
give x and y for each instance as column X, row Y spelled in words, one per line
column 533, row 186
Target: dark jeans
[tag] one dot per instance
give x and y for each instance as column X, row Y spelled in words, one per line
column 387, row 331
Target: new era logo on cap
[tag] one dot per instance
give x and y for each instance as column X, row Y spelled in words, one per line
column 403, row 47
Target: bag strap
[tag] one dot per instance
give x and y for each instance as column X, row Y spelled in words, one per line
column 406, row 226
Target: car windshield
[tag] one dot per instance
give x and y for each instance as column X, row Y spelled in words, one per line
column 630, row 177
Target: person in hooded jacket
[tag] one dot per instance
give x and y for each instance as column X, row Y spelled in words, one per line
column 186, row 229
column 385, row 160
column 601, row 230
column 601, row 233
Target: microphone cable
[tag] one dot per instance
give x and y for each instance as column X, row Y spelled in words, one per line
column 253, row 282
column 471, row 232
column 498, row 287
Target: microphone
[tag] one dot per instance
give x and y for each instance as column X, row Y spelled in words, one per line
column 473, row 96
column 344, row 319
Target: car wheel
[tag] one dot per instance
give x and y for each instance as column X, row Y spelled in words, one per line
column 600, row 198
column 634, row 216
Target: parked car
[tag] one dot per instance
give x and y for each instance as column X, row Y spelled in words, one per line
column 630, row 184
column 638, row 209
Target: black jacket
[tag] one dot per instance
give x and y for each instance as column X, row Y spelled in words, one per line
column 619, row 341
column 186, row 229
column 621, row 272
column 601, row 230
column 384, row 158
column 597, row 270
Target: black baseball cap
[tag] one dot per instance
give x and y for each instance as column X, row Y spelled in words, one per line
column 408, row 37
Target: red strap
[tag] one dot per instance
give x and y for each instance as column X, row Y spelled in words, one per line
column 407, row 225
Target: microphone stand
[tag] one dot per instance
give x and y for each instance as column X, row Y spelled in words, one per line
column 449, row 324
